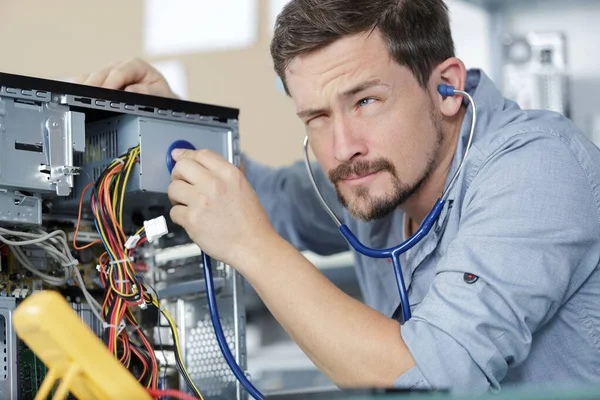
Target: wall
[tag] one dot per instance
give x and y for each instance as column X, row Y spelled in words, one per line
column 578, row 19
column 64, row 38
column 470, row 25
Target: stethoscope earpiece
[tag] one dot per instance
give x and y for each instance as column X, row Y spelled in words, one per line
column 446, row 90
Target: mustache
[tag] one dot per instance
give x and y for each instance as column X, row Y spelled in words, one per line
column 360, row 168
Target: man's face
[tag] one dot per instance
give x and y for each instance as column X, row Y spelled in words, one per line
column 372, row 128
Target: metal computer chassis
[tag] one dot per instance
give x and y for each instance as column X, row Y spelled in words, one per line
column 57, row 137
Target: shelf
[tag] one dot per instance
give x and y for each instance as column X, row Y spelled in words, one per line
column 493, row 5
column 497, row 4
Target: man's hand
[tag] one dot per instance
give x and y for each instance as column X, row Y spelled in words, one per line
column 133, row 75
column 351, row 343
column 214, row 203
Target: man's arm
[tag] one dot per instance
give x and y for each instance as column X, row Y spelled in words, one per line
column 529, row 230
column 293, row 207
column 221, row 213
column 352, row 344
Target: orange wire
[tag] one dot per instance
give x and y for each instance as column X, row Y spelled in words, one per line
column 102, row 270
column 79, row 222
column 171, row 393
column 107, row 199
column 137, row 353
column 125, row 346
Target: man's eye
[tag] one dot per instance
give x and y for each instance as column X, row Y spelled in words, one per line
column 366, row 101
column 314, row 120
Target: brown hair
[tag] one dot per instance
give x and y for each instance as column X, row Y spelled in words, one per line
column 417, row 32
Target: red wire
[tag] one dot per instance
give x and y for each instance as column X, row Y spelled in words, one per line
column 171, row 393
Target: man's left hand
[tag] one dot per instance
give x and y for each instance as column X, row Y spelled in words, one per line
column 215, row 204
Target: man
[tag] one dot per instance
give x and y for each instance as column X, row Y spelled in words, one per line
column 504, row 290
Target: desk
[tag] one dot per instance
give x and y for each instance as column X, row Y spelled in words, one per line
column 565, row 393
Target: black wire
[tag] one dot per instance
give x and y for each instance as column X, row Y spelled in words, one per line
column 182, row 370
column 159, row 313
column 180, row 366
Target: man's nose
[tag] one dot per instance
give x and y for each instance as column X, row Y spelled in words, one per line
column 348, row 142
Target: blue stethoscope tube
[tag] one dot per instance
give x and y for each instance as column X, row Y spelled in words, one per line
column 394, row 253
column 216, row 321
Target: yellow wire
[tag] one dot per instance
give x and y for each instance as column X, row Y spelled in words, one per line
column 105, row 240
column 114, row 196
column 113, row 165
column 139, row 232
column 116, row 193
column 166, row 314
column 129, row 166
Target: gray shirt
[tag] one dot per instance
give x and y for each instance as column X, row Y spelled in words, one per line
column 523, row 218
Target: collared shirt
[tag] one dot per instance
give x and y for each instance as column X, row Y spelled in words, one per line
column 505, row 289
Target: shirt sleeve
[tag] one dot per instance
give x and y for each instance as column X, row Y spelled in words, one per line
column 288, row 197
column 529, row 230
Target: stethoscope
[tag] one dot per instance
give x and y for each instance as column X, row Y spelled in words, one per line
column 394, row 253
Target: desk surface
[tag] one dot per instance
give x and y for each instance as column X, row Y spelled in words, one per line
column 577, row 392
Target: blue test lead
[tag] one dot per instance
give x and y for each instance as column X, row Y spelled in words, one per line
column 394, row 253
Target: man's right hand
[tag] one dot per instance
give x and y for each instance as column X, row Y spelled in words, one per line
column 133, row 75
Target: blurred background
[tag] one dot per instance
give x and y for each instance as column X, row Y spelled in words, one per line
column 541, row 53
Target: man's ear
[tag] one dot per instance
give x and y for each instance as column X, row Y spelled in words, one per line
column 454, row 73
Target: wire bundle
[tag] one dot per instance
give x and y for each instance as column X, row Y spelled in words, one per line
column 124, row 290
column 56, row 246
column 178, row 359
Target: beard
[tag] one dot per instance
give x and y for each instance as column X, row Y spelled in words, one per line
column 368, row 208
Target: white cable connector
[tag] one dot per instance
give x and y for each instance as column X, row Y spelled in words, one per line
column 155, row 228
column 132, row 242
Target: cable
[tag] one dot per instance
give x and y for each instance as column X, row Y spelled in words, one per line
column 123, row 288
column 178, row 358
column 171, row 393
column 216, row 320
column 158, row 325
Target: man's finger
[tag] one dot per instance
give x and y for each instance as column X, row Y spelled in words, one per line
column 179, row 215
column 180, row 193
column 207, row 158
column 128, row 73
column 190, row 171
column 138, row 88
column 95, row 78
column 81, row 78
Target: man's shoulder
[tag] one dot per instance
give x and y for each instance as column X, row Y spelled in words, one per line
column 508, row 125
column 535, row 152
column 527, row 135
